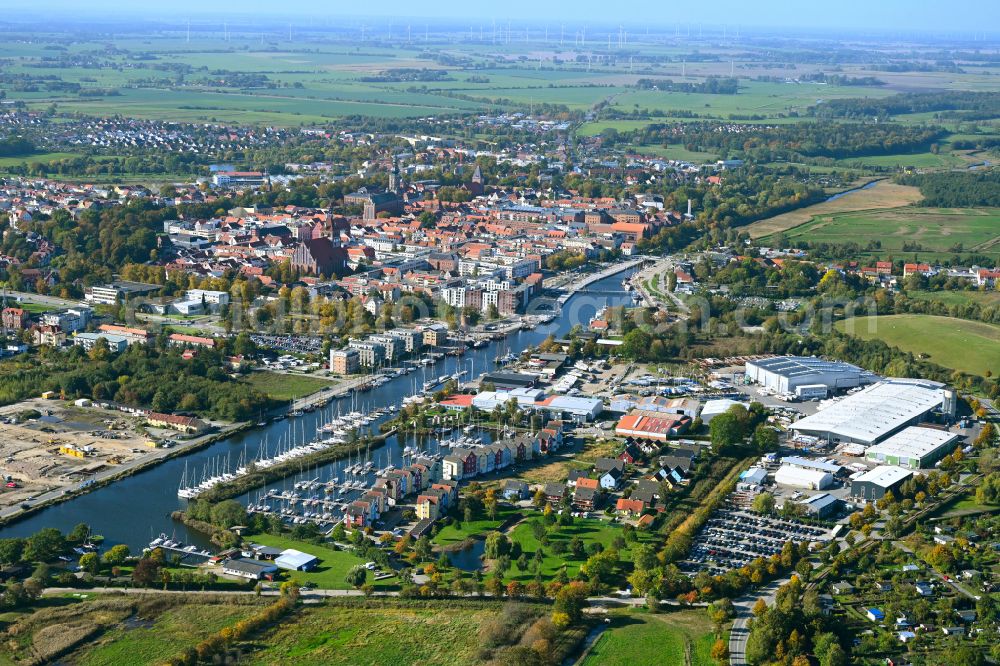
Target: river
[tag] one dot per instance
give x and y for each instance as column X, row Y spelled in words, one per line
column 137, row 508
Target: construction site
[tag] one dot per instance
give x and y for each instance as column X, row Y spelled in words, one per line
column 48, row 444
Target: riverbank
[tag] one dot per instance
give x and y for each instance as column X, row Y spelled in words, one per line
column 11, row 515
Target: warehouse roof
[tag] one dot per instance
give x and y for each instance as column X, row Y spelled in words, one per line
column 720, row 405
column 295, row 559
column 801, row 366
column 884, row 475
column 809, row 463
column 913, row 442
column 820, row 502
column 788, row 475
column 877, row 411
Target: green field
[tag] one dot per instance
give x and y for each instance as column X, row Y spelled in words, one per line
column 281, row 386
column 925, row 160
column 44, row 158
column 937, row 231
column 333, row 566
column 381, row 634
column 458, row 532
column 963, row 297
column 969, row 346
column 637, row 639
column 588, row 530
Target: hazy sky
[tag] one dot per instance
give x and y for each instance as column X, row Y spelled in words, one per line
column 881, row 15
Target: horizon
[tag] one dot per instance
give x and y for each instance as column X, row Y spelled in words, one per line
column 886, row 18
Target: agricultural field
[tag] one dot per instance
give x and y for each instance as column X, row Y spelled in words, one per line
column 107, row 630
column 969, row 346
column 929, row 233
column 883, row 194
column 758, row 98
column 638, row 639
column 281, row 386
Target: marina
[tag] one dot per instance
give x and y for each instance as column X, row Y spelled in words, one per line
column 125, row 510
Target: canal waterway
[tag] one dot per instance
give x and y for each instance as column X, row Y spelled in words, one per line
column 135, row 509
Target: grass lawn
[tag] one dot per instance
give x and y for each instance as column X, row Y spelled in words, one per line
column 332, row 568
column 379, row 634
column 970, row 346
column 458, row 532
column 36, row 308
column 588, row 530
column 286, row 387
column 634, row 639
column 938, row 231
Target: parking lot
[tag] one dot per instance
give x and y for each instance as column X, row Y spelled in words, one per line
column 297, row 344
column 733, row 537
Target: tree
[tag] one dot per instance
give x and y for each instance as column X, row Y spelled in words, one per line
column 44, row 545
column 356, row 576
column 228, row 513
column 765, row 438
column 90, row 563
column 497, row 545
column 570, row 600
column 539, row 499
column 490, row 503
column 601, row 567
column 79, row 533
column 117, row 555
column 720, row 651
column 11, row 550
column 145, row 572
column 725, row 430
column 764, row 503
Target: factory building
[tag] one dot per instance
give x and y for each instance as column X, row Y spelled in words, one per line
column 874, row 484
column 879, row 411
column 713, row 408
column 806, row 376
column 801, row 477
column 914, row 447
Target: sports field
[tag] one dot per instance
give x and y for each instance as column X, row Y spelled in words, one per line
column 960, row 344
column 929, row 232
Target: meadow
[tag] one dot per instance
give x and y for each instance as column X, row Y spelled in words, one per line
column 959, row 344
column 928, row 232
column 883, row 194
column 280, row 386
column 957, row 297
column 640, row 639
column 378, row 633
column 95, row 630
